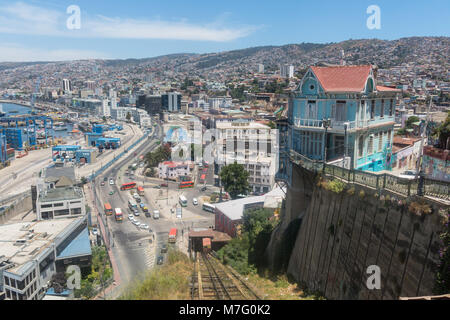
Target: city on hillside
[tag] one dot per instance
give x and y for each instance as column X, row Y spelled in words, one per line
column 314, row 170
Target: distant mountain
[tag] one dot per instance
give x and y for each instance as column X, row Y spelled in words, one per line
column 384, row 53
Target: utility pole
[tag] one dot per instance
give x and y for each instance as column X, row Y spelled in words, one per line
column 419, row 160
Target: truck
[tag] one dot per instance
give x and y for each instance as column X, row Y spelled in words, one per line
column 156, row 214
column 173, row 235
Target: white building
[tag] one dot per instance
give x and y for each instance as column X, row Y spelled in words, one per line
column 252, row 144
column 287, row 71
column 32, row 252
column 106, row 108
column 62, row 202
column 220, row 102
column 174, row 169
column 66, row 86
column 260, row 68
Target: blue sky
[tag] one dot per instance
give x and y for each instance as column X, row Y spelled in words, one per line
column 36, row 29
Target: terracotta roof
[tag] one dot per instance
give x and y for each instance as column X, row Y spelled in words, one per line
column 342, row 78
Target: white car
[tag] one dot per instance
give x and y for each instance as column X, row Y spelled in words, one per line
column 408, row 174
column 136, row 223
column 130, row 217
column 195, row 201
column 144, row 226
column 111, row 182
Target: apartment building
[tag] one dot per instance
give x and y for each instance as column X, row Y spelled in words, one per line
column 252, row 144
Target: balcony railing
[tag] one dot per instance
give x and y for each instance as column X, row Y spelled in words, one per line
column 340, row 125
column 402, row 186
column 314, row 123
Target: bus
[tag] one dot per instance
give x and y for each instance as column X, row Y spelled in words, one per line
column 131, row 204
column 118, row 214
column 108, row 209
column 140, row 190
column 186, row 184
column 128, row 186
column 209, row 207
column 173, row 235
column 183, row 201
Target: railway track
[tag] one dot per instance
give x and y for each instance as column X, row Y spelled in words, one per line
column 214, row 281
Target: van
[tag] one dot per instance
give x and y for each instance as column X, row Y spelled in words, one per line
column 156, row 214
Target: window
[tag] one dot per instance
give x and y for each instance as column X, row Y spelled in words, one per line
column 391, row 107
column 45, row 206
column 389, row 137
column 372, row 110
column 7, row 281
column 311, row 111
column 370, row 146
column 382, row 109
column 58, row 204
column 339, row 112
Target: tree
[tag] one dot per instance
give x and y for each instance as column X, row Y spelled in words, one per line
column 443, row 133
column 104, row 119
column 234, row 178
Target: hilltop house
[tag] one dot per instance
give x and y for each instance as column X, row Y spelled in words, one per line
column 360, row 114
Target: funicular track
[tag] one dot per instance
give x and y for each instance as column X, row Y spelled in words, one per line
column 214, row 281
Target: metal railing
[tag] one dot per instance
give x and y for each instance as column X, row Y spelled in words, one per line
column 110, row 163
column 406, row 187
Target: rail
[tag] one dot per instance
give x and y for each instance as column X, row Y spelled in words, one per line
column 212, row 280
column 439, row 190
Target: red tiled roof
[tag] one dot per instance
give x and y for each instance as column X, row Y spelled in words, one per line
column 342, row 78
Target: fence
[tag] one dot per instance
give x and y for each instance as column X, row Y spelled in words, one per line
column 405, row 187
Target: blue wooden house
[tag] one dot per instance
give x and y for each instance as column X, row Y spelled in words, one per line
column 343, row 110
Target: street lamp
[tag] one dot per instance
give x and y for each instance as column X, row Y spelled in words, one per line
column 326, row 124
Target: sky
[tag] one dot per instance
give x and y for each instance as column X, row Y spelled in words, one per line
column 52, row 30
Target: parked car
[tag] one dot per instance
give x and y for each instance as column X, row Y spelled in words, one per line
column 164, row 185
column 203, row 189
column 94, row 231
column 155, row 214
column 136, row 212
column 130, row 217
column 147, row 214
column 164, row 248
column 195, row 201
column 144, row 226
column 408, row 174
column 160, row 260
column 136, row 223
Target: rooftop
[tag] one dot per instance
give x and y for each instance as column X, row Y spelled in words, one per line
column 33, row 239
column 64, row 193
column 343, row 78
